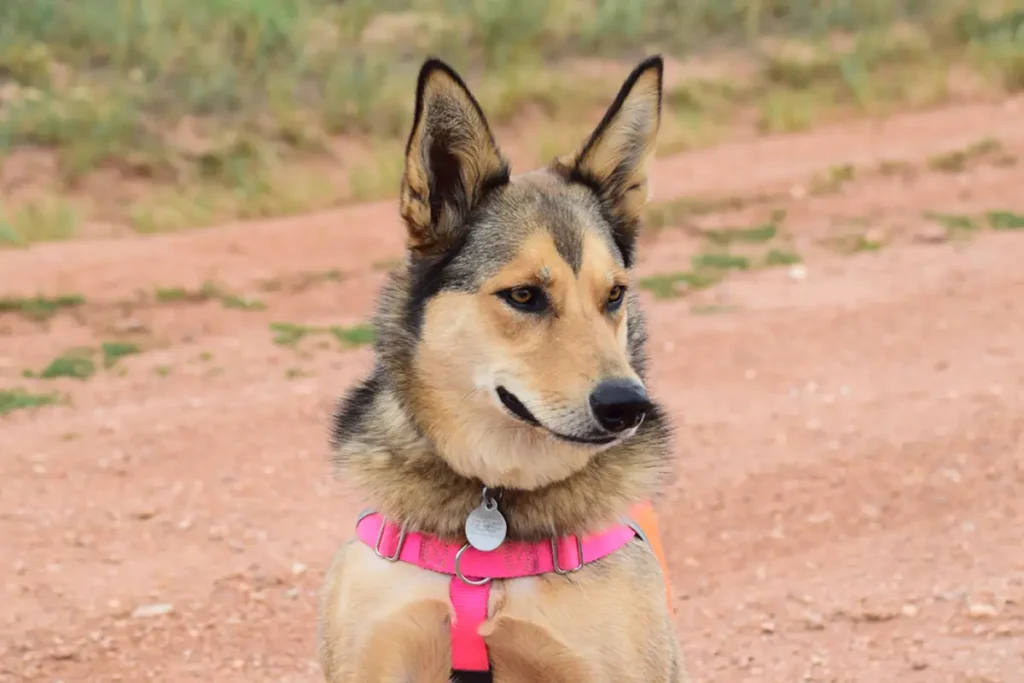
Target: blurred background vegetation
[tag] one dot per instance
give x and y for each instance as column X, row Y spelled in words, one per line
column 152, row 115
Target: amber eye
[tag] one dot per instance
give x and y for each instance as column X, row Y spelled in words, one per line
column 615, row 296
column 526, row 299
column 521, row 296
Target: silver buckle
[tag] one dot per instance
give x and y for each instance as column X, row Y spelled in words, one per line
column 636, row 529
column 458, row 570
column 380, row 537
column 554, row 556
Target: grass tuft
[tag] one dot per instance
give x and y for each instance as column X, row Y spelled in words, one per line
column 1005, row 220
column 19, row 399
column 75, row 364
column 158, row 116
column 40, row 307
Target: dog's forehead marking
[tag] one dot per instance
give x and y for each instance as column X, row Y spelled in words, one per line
column 539, row 203
column 600, row 265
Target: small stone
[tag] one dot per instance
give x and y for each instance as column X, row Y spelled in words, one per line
column 931, row 234
column 154, row 610
column 298, row 569
column 797, row 272
column 768, row 627
column 951, row 475
column 819, row 518
column 144, row 513
column 128, row 325
column 877, row 615
column 909, row 610
column 981, row 610
column 814, row 621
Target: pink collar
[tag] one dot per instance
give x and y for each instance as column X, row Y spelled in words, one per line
column 472, row 570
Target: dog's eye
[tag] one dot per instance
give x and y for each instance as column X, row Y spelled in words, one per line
column 525, row 298
column 615, row 297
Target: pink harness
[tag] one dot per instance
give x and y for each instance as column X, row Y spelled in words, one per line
column 472, row 570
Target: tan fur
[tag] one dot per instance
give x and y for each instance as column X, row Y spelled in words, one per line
column 445, row 104
column 619, row 152
column 475, row 437
column 421, row 436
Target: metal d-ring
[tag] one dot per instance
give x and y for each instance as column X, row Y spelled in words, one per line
column 458, row 570
column 554, row 556
column 380, row 537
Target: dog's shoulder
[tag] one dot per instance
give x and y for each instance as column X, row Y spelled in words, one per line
column 379, row 617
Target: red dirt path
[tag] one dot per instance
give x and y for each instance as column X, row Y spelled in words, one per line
column 849, row 503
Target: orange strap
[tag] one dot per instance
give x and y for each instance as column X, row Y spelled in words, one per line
column 645, row 518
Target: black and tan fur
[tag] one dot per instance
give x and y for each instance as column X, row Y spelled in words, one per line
column 427, row 429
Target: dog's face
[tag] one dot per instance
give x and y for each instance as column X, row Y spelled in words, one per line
column 519, row 287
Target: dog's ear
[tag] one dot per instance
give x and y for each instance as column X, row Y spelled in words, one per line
column 613, row 161
column 451, row 160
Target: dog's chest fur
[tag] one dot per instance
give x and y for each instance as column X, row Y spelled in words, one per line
column 392, row 619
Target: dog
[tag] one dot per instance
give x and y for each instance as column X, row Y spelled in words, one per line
column 505, row 435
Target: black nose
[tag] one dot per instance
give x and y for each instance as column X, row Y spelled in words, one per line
column 619, row 404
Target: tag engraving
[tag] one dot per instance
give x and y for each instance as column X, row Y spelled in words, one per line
column 486, row 527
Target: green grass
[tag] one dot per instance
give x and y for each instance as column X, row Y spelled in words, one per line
column 290, row 334
column 242, row 303
column 75, row 364
column 170, row 295
column 78, row 363
column 952, row 223
column 779, row 257
column 193, row 113
column 833, row 180
column 1005, row 220
column 753, row 235
column 207, row 292
column 720, row 261
column 40, row 307
column 19, row 399
column 856, row 244
column 956, row 161
column 115, row 351
column 357, row 335
column 44, row 219
column 677, row 212
column 671, row 285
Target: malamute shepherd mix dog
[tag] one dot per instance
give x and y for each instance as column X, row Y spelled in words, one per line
column 505, row 439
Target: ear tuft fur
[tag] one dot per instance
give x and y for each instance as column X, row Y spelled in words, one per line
column 613, row 160
column 451, row 160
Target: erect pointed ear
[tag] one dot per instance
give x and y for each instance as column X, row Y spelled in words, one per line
column 451, row 160
column 613, row 161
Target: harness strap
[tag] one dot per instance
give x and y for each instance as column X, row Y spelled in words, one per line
column 472, row 570
column 469, row 612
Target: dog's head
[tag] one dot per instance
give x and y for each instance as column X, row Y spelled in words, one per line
column 525, row 356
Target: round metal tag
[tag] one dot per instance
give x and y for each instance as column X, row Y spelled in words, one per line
column 486, row 527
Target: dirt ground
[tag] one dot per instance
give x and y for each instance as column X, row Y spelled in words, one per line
column 849, row 495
